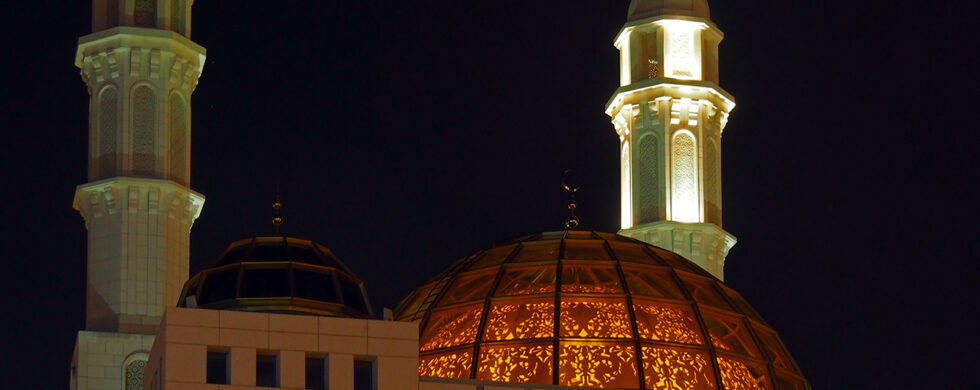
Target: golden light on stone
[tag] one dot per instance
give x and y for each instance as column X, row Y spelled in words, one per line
column 682, row 54
column 616, row 312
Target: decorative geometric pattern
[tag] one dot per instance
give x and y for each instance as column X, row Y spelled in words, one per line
column 108, row 131
column 736, row 375
column 684, row 197
column 676, row 369
column 581, row 318
column 666, row 300
column 144, row 131
column 134, row 374
column 680, row 45
column 661, row 322
column 647, row 188
column 452, row 328
column 590, row 365
column 516, row 363
column 526, row 320
column 453, row 365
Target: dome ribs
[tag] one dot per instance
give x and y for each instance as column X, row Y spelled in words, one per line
column 617, row 313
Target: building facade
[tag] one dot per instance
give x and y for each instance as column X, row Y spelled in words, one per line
column 642, row 309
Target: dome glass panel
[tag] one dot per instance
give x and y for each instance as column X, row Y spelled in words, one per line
column 591, row 309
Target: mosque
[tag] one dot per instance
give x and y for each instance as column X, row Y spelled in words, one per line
column 644, row 308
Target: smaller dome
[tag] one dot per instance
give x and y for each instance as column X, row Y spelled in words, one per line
column 642, row 9
column 281, row 275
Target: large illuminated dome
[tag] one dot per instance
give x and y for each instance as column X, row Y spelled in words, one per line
column 626, row 315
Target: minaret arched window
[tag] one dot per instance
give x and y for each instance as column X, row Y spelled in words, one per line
column 626, row 191
column 108, row 132
column 144, row 131
column 133, row 369
column 648, row 189
column 684, row 178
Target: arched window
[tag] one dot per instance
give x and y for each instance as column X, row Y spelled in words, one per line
column 625, row 192
column 646, row 172
column 144, row 131
column 108, row 132
column 684, row 178
column 178, row 139
column 133, row 369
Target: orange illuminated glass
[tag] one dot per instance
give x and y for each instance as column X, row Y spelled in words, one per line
column 614, row 295
column 583, row 317
column 657, row 321
column 451, row 327
column 677, row 369
column 737, row 375
column 597, row 365
column 520, row 320
column 516, row 363
column 454, row 364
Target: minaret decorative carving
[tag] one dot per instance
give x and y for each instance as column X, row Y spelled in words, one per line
column 669, row 113
column 140, row 68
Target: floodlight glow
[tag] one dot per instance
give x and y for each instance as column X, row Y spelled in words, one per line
column 684, row 199
column 627, row 210
column 682, row 54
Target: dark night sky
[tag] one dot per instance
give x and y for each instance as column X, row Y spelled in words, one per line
column 405, row 135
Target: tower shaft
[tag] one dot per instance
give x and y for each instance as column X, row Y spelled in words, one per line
column 669, row 113
column 140, row 68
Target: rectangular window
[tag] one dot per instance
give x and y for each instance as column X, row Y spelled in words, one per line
column 365, row 375
column 266, row 371
column 316, row 373
column 217, row 368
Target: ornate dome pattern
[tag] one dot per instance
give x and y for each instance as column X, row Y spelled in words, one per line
column 593, row 309
column 278, row 274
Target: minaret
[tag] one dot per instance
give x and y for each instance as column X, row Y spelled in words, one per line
column 140, row 67
column 669, row 113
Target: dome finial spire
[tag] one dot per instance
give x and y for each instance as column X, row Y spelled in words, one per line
column 277, row 206
column 572, row 222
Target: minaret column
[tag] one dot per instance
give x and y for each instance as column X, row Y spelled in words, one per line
column 669, row 113
column 140, row 68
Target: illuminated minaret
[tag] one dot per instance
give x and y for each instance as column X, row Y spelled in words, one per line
column 140, row 68
column 669, row 113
